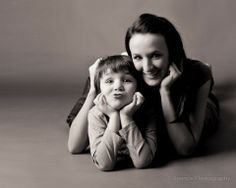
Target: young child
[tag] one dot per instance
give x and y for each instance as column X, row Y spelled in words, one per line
column 118, row 125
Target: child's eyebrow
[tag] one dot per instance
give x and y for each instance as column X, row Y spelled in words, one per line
column 111, row 72
column 107, row 73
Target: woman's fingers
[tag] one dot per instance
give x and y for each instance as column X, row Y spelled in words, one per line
column 177, row 70
column 173, row 75
column 93, row 67
column 174, row 71
column 140, row 99
column 124, row 53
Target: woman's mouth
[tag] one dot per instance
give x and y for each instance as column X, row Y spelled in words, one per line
column 152, row 74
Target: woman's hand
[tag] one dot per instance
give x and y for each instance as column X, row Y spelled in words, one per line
column 127, row 111
column 92, row 71
column 174, row 74
column 101, row 103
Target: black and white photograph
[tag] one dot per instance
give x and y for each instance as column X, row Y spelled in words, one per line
column 121, row 94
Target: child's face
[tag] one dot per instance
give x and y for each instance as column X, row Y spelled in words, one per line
column 118, row 88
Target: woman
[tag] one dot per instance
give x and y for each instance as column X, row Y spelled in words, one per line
column 179, row 88
column 183, row 87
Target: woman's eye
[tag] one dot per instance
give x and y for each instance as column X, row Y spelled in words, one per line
column 137, row 58
column 127, row 80
column 156, row 56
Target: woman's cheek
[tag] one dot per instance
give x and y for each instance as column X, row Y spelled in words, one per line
column 138, row 66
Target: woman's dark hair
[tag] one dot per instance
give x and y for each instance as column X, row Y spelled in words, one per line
column 149, row 23
column 115, row 63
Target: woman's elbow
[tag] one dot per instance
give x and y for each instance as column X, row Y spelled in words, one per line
column 186, row 149
column 75, row 149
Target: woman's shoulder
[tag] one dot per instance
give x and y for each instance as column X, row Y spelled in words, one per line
column 197, row 66
column 197, row 72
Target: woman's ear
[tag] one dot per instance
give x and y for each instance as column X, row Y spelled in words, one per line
column 179, row 65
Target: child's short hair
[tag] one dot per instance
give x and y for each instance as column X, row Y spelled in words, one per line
column 115, row 63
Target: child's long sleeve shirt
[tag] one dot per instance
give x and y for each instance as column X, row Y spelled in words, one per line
column 137, row 141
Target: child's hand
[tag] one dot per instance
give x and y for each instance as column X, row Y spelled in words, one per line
column 132, row 107
column 92, row 71
column 101, row 103
column 174, row 74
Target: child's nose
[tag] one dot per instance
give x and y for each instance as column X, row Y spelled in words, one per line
column 118, row 86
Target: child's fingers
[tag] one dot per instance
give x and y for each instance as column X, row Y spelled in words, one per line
column 98, row 99
column 134, row 100
column 103, row 99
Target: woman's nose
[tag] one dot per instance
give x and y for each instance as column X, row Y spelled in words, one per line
column 147, row 65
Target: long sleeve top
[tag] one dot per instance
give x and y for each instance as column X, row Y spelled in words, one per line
column 139, row 141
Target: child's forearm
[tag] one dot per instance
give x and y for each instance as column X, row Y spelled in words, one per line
column 125, row 120
column 104, row 153
column 104, row 140
column 142, row 149
column 114, row 122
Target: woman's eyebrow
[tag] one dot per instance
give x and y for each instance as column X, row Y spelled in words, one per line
column 135, row 54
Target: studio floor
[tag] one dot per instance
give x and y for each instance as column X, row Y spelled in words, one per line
column 33, row 152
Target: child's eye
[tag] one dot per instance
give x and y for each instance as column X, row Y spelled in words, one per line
column 127, row 80
column 108, row 81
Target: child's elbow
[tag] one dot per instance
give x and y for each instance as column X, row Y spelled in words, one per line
column 105, row 166
column 142, row 163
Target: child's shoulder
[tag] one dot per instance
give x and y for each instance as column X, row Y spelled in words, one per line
column 94, row 110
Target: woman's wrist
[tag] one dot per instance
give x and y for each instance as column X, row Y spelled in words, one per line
column 164, row 91
column 92, row 93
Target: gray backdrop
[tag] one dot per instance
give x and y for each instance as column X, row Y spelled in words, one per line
column 49, row 44
column 46, row 47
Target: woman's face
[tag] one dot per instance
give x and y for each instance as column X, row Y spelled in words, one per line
column 150, row 56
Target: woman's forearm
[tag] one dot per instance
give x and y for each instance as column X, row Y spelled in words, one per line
column 78, row 134
column 180, row 136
